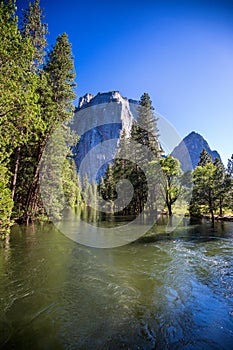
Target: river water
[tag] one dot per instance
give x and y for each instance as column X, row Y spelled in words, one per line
column 169, row 291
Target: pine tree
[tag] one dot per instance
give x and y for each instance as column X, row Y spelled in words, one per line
column 145, row 131
column 205, row 158
column 145, row 148
column 78, row 187
column 122, row 169
column 109, row 184
column 20, row 114
column 230, row 167
column 85, row 189
column 155, row 175
column 32, row 27
column 71, row 183
column 60, row 69
column 94, row 195
column 224, row 185
column 210, row 186
column 101, row 188
column 229, row 197
column 57, row 104
column 32, row 31
column 34, row 100
column 132, row 158
column 51, row 177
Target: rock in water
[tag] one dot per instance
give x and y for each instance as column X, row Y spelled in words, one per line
column 190, row 148
column 99, row 121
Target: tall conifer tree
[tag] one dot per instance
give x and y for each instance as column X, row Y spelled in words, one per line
column 20, row 112
column 57, row 104
column 32, row 27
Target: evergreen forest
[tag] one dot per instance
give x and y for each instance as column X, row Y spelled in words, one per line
column 37, row 93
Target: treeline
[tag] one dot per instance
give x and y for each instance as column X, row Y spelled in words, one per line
column 36, row 96
column 212, row 187
column 159, row 183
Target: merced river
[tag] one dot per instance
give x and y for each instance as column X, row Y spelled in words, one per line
column 167, row 291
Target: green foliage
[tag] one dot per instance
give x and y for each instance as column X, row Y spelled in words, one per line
column 144, row 151
column 89, row 194
column 52, row 164
column 144, row 147
column 34, row 29
column 86, row 190
column 230, row 167
column 56, row 99
column 110, row 194
column 60, row 183
column 35, row 98
column 20, row 112
column 171, row 181
column 205, row 158
column 205, row 186
column 18, row 98
column 71, row 184
column 61, row 74
column 6, row 202
column 211, row 186
column 145, row 131
column 224, row 186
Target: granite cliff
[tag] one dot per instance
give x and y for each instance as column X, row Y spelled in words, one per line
column 100, row 120
column 190, row 148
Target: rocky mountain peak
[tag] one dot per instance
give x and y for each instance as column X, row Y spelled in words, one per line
column 89, row 100
column 189, row 149
column 84, row 100
column 98, row 119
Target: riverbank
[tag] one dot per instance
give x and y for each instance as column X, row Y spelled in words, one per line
column 224, row 218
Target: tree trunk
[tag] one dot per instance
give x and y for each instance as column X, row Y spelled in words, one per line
column 220, row 207
column 169, row 204
column 212, row 216
column 33, row 190
column 169, row 209
column 211, row 208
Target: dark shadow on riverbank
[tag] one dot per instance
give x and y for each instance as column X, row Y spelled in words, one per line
column 199, row 232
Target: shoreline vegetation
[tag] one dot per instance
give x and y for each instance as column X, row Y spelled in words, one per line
column 36, row 97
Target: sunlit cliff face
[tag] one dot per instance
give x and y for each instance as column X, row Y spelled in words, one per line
column 98, row 119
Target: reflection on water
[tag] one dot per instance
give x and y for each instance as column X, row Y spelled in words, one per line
column 170, row 290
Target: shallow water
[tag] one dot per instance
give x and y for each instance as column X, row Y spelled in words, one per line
column 168, row 291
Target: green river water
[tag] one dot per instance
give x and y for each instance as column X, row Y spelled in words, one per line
column 170, row 291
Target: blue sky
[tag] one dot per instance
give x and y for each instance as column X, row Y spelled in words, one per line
column 180, row 52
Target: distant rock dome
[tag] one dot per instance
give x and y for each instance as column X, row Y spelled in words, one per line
column 190, row 148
